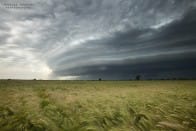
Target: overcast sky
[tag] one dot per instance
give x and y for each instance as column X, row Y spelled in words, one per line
column 91, row 39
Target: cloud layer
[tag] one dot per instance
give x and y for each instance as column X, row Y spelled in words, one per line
column 89, row 39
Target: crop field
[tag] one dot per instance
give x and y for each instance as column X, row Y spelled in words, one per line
column 97, row 105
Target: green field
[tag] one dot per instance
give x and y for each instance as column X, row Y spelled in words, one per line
column 97, row 105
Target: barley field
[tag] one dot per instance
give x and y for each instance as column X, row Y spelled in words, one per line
column 97, row 105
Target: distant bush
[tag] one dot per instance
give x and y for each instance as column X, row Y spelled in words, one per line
column 138, row 77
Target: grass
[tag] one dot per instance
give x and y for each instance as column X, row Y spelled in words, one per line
column 97, row 105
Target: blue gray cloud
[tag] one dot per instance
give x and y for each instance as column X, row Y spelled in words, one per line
column 88, row 39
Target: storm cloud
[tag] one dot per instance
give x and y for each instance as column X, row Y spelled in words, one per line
column 91, row 39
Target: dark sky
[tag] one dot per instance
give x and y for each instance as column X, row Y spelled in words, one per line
column 91, row 39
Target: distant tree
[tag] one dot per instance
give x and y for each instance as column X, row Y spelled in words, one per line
column 34, row 79
column 174, row 78
column 100, row 79
column 138, row 77
column 9, row 79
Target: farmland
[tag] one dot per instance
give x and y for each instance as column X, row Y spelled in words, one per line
column 97, row 105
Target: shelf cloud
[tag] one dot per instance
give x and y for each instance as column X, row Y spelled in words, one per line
column 91, row 39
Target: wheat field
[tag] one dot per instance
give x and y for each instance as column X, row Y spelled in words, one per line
column 97, row 105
